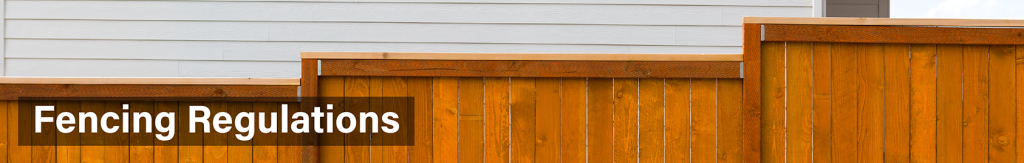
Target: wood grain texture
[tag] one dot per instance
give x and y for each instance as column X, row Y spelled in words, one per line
column 421, row 90
column 264, row 149
column 976, row 100
column 4, row 128
column 625, row 119
column 240, row 151
column 361, row 87
column 331, row 87
column 730, row 125
column 752, row 92
column 398, row 87
column 70, row 151
column 922, row 103
column 1002, row 112
column 523, row 113
column 310, row 151
column 46, row 152
column 600, row 120
column 290, row 153
column 473, row 68
column 1019, row 83
column 548, row 120
column 18, row 152
column 844, row 104
column 893, row 34
column 822, row 101
column 677, row 119
column 167, row 151
column 774, row 108
column 521, row 56
column 652, row 120
column 141, row 145
column 471, row 121
column 897, row 102
column 798, row 100
column 949, row 107
column 870, row 129
column 215, row 145
column 574, row 120
column 496, row 106
column 117, row 144
column 703, row 124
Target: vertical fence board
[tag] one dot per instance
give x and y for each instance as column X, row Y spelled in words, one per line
column 18, row 152
column 773, row 140
column 704, row 104
column 625, row 121
column 192, row 153
column 524, row 114
column 822, row 101
column 471, row 110
column 356, row 151
column 141, row 145
column 949, row 108
column 264, row 149
column 652, row 120
column 238, row 150
column 975, row 103
column 46, row 153
column 166, row 151
column 798, row 102
column 93, row 153
column 290, row 153
column 1002, row 115
column 574, row 120
column 4, row 142
column 445, row 121
column 844, row 104
column 117, row 144
column 70, row 151
column 331, row 87
column 548, row 139
column 677, row 120
column 730, row 126
column 1019, row 83
column 376, row 90
column 869, row 103
column 497, row 113
column 897, row 103
column 752, row 95
column 599, row 120
column 922, row 103
column 397, row 87
column 421, row 90
column 215, row 147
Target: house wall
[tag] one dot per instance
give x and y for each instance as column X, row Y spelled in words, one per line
column 256, row 38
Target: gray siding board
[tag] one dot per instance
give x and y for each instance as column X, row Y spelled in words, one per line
column 852, row 10
column 262, row 38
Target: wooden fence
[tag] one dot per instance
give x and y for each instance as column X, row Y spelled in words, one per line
column 886, row 90
column 543, row 108
column 132, row 148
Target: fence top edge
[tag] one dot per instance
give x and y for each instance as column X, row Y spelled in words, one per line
column 885, row 21
column 520, row 56
column 149, row 81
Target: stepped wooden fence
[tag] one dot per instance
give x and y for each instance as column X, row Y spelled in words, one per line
column 886, row 90
column 805, row 90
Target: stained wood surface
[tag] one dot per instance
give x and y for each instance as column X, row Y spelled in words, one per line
column 822, row 101
column 773, row 120
column 922, row 103
column 464, row 68
column 893, row 34
column 896, row 58
column 798, row 102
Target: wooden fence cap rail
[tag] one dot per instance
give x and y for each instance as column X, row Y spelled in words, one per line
column 885, row 21
column 522, row 56
column 150, row 81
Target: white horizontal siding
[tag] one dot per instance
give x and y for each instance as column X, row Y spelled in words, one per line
column 151, row 68
column 262, row 38
column 288, row 51
column 388, row 12
column 373, row 32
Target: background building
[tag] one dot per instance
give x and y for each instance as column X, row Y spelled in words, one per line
column 262, row 38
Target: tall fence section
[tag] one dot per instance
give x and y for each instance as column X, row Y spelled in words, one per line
column 887, row 90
